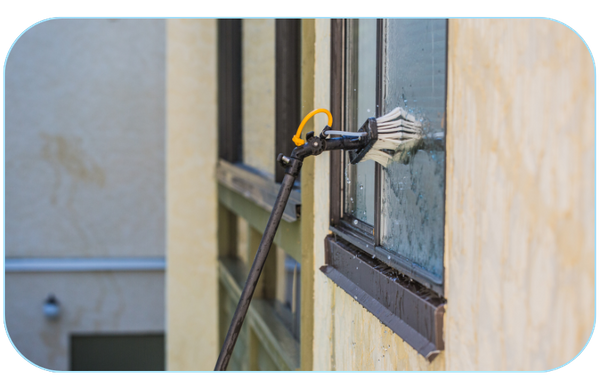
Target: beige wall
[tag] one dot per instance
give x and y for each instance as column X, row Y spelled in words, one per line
column 520, row 195
column 192, row 336
column 84, row 139
column 90, row 302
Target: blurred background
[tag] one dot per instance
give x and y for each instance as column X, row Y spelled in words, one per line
column 85, row 194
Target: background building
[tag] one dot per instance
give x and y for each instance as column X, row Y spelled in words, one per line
column 85, row 193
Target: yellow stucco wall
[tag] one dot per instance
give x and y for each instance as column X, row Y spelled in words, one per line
column 191, row 278
column 519, row 196
column 519, row 205
column 519, row 213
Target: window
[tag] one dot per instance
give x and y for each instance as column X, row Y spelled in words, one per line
column 391, row 218
column 259, row 99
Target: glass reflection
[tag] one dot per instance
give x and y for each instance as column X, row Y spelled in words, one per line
column 359, row 179
column 412, row 203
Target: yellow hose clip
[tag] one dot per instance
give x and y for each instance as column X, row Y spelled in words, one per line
column 299, row 141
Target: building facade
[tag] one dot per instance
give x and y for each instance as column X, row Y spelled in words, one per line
column 470, row 249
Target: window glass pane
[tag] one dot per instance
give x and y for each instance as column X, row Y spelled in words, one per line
column 242, row 240
column 360, row 178
column 258, row 93
column 413, row 185
column 287, row 296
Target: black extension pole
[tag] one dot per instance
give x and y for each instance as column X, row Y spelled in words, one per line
column 313, row 147
column 292, row 171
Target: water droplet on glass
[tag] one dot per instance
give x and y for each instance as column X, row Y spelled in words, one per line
column 361, row 187
column 355, row 222
column 368, row 110
column 373, row 256
column 354, row 89
column 389, row 257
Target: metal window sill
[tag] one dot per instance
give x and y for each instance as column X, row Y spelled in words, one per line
column 257, row 187
column 394, row 260
column 411, row 311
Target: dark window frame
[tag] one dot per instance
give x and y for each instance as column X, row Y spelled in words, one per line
column 229, row 79
column 349, row 247
column 252, row 183
column 242, row 188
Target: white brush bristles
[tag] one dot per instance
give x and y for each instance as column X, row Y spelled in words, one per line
column 394, row 130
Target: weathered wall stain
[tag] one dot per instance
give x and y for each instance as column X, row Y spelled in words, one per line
column 67, row 157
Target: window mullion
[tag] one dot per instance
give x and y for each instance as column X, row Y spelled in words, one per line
column 378, row 113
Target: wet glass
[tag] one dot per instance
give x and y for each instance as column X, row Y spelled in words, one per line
column 287, row 291
column 413, row 185
column 359, row 179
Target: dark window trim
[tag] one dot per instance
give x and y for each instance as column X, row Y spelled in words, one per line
column 229, row 75
column 337, row 99
column 381, row 28
column 419, row 323
column 259, row 187
column 287, row 87
column 251, row 183
column 349, row 79
column 410, row 310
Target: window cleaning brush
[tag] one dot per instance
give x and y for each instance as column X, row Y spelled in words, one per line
column 386, row 136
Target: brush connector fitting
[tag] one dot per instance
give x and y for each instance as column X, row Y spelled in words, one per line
column 283, row 160
column 369, row 127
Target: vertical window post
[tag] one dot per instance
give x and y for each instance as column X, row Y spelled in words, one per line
column 230, row 89
column 287, row 87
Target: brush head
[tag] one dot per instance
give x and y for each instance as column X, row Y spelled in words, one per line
column 387, row 136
